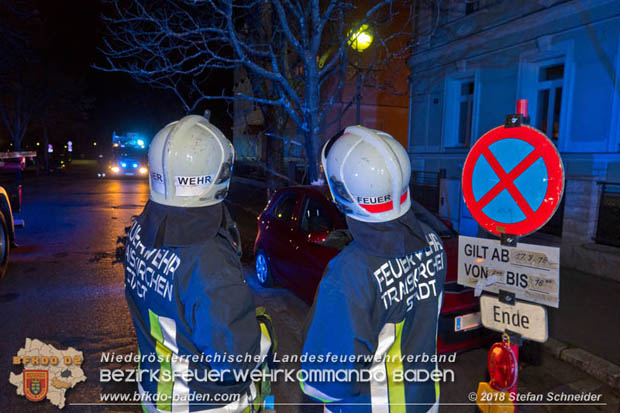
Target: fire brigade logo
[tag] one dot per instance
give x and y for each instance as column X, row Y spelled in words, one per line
column 35, row 384
column 48, row 373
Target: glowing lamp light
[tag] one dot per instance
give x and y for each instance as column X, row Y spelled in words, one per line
column 502, row 364
column 115, row 169
column 143, row 170
column 115, row 145
column 140, row 142
column 38, row 143
column 135, row 165
column 94, row 143
column 362, row 39
column 124, row 165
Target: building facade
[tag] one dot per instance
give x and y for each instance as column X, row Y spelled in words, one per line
column 474, row 59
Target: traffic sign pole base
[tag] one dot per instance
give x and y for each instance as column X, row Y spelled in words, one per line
column 490, row 400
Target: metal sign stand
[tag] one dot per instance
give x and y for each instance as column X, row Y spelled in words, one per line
column 509, row 233
column 509, row 240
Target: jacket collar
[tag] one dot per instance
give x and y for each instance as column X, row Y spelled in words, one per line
column 169, row 226
column 395, row 238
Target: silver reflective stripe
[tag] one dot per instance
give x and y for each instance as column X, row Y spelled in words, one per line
column 434, row 408
column 379, row 399
column 318, row 394
column 150, row 407
column 235, row 407
column 180, row 388
column 169, row 331
column 440, row 303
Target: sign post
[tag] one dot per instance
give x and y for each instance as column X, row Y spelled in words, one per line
column 513, row 182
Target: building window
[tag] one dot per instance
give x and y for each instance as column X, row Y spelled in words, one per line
column 549, row 105
column 472, row 6
column 462, row 95
column 466, row 110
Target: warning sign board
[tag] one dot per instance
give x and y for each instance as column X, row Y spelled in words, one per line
column 528, row 320
column 513, row 180
column 531, row 272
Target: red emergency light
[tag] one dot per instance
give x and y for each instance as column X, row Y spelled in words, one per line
column 502, row 364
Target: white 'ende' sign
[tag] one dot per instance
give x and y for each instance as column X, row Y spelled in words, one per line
column 529, row 320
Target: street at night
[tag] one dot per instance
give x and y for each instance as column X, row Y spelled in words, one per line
column 337, row 206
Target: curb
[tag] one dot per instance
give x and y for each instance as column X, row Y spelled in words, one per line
column 595, row 366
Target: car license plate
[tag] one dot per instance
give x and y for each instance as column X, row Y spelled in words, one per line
column 467, row 322
column 129, row 173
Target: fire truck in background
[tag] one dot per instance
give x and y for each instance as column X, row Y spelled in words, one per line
column 128, row 156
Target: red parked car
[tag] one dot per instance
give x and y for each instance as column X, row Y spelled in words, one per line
column 289, row 251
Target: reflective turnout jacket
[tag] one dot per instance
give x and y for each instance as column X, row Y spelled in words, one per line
column 376, row 313
column 192, row 310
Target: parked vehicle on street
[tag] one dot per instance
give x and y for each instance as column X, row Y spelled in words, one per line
column 290, row 250
column 10, row 202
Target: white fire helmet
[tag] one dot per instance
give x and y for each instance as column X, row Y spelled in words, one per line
column 368, row 174
column 190, row 164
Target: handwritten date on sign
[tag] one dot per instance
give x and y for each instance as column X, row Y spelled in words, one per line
column 529, row 270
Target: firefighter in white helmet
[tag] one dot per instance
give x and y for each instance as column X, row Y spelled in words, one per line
column 192, row 310
column 380, row 297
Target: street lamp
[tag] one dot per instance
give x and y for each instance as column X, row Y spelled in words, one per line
column 360, row 41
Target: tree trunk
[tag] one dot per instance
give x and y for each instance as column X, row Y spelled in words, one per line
column 275, row 159
column 311, row 118
column 45, row 154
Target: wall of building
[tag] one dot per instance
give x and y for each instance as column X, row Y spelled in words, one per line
column 503, row 57
column 505, row 49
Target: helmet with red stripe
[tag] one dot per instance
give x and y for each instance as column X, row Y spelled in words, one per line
column 368, row 174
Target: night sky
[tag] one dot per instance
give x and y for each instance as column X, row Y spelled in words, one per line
column 69, row 33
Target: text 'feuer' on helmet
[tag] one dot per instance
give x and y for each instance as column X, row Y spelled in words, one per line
column 368, row 174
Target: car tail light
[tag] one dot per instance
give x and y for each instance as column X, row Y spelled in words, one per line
column 502, row 364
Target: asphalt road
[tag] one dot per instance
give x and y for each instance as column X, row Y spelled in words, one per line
column 64, row 288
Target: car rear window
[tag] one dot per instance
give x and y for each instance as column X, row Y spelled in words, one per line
column 316, row 217
column 285, row 206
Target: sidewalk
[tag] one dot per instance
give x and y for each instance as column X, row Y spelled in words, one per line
column 588, row 316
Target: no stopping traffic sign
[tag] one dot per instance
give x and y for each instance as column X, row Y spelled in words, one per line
column 513, row 180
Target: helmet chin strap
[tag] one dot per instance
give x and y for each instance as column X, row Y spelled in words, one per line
column 386, row 151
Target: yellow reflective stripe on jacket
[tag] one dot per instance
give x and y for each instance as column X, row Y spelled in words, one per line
column 396, row 389
column 439, row 304
column 164, row 387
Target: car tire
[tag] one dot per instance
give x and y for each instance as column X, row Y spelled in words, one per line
column 5, row 245
column 263, row 269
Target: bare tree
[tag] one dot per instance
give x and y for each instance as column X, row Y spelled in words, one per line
column 295, row 53
column 18, row 94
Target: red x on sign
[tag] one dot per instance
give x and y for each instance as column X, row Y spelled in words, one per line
column 513, row 180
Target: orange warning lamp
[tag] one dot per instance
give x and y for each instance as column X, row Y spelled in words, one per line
column 502, row 364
